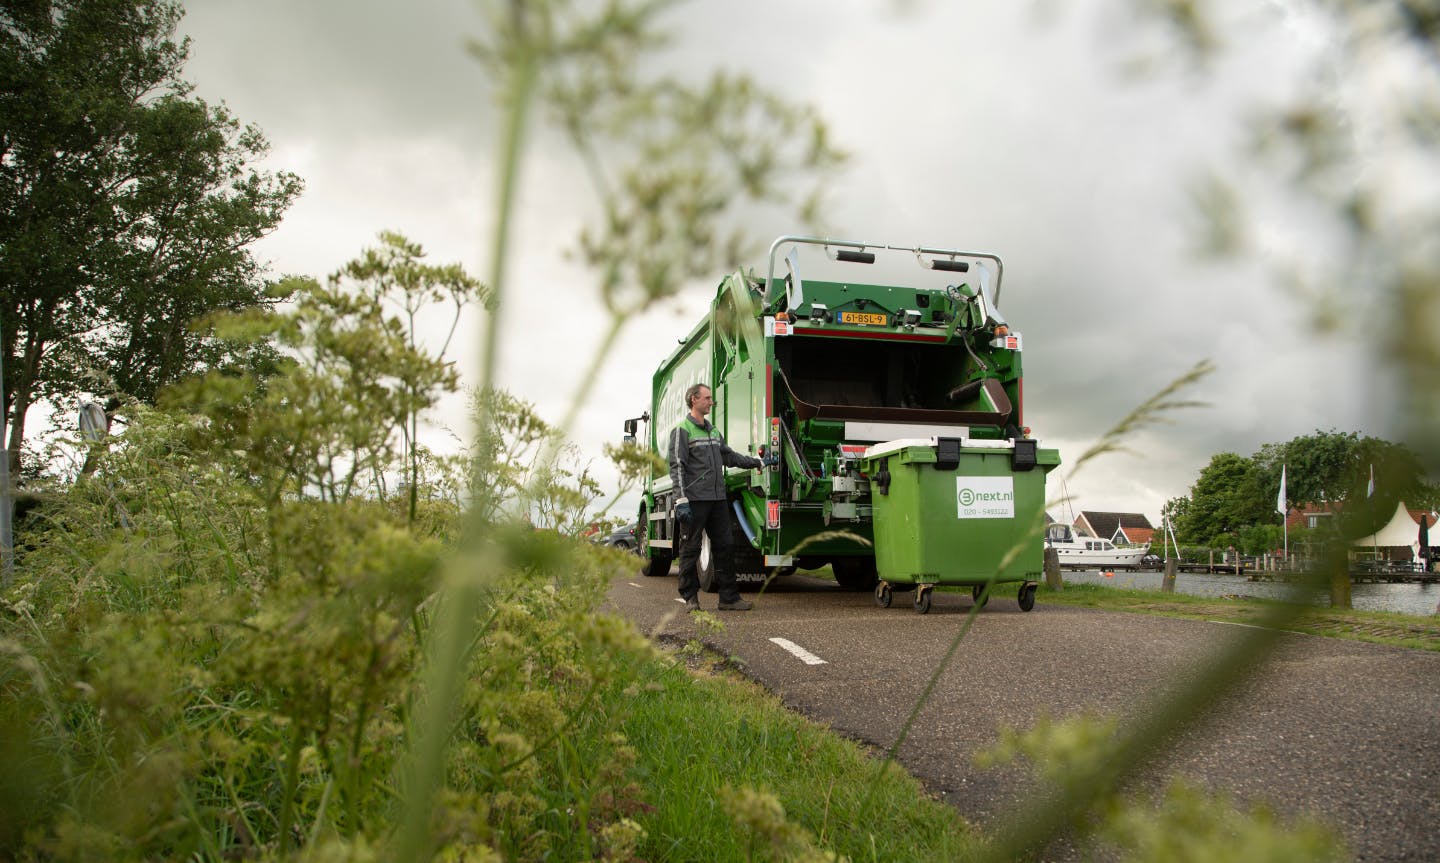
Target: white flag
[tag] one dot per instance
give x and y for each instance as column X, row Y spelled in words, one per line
column 1370, row 489
column 1280, row 501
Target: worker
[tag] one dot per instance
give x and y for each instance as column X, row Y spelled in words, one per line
column 698, row 457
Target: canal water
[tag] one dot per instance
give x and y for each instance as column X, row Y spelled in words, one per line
column 1403, row 598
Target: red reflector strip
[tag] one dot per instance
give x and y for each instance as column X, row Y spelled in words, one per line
column 772, row 514
column 852, row 450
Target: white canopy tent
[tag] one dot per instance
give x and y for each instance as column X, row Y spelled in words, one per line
column 1401, row 530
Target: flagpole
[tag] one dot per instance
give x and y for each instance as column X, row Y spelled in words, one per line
column 1284, row 517
column 1370, row 503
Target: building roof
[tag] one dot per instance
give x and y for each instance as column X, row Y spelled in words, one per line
column 1137, row 535
column 1105, row 524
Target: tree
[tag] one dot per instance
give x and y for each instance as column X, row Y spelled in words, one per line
column 1333, row 466
column 1174, row 510
column 1218, row 505
column 127, row 207
column 1234, row 493
column 1319, row 466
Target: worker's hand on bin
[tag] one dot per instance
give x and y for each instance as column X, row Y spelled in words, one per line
column 682, row 512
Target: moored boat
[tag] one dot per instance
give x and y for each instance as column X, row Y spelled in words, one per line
column 1088, row 552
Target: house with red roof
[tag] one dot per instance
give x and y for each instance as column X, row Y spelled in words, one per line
column 1121, row 528
column 1312, row 515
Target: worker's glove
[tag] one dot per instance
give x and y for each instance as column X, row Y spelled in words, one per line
column 682, row 512
column 770, row 459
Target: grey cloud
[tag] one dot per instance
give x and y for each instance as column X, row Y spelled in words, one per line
column 971, row 125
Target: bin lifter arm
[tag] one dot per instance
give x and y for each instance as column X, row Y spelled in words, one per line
column 793, row 455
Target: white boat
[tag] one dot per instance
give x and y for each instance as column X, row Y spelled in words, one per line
column 1088, row 552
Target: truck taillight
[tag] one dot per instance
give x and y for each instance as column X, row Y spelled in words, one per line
column 772, row 514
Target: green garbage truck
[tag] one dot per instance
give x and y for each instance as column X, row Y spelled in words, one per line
column 897, row 410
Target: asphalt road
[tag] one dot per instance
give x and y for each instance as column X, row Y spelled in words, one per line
column 1343, row 730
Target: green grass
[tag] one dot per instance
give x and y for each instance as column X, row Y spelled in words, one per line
column 698, row 732
column 1376, row 627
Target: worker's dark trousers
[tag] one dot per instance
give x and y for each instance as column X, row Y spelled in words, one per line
column 712, row 517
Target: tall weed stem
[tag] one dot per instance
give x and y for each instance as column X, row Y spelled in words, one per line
column 423, row 767
column 292, row 782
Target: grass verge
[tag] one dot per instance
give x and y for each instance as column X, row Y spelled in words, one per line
column 1376, row 627
column 707, row 740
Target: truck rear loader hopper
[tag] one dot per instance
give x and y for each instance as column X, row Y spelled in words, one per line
column 892, row 405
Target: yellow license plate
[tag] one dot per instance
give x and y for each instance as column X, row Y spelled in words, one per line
column 868, row 319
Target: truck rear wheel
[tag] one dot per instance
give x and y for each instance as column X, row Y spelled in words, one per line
column 705, row 566
column 855, row 573
column 747, row 565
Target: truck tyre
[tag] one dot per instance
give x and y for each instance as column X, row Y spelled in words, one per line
column 705, row 567
column 657, row 560
column 746, row 564
column 855, row 573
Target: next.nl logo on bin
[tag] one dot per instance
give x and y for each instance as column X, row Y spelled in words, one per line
column 985, row 496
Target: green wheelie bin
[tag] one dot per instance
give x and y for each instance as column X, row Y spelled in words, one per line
column 947, row 509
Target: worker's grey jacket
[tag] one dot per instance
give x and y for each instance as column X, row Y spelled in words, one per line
column 698, row 456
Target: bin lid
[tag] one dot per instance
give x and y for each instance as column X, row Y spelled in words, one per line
column 890, row 446
column 898, row 444
column 987, row 444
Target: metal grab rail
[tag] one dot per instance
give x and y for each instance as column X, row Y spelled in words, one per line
column 918, row 251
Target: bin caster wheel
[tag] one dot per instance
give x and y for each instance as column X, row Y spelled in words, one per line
column 1027, row 596
column 882, row 595
column 976, row 592
column 922, row 598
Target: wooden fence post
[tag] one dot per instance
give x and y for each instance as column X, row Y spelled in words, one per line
column 1052, row 570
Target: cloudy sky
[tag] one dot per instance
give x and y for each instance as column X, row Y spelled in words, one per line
column 1018, row 128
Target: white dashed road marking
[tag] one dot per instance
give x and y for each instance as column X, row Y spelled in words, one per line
column 799, row 652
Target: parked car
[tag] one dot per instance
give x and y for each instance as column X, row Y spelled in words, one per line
column 623, row 537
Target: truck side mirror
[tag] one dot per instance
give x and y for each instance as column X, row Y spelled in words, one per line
column 629, row 440
column 630, row 426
